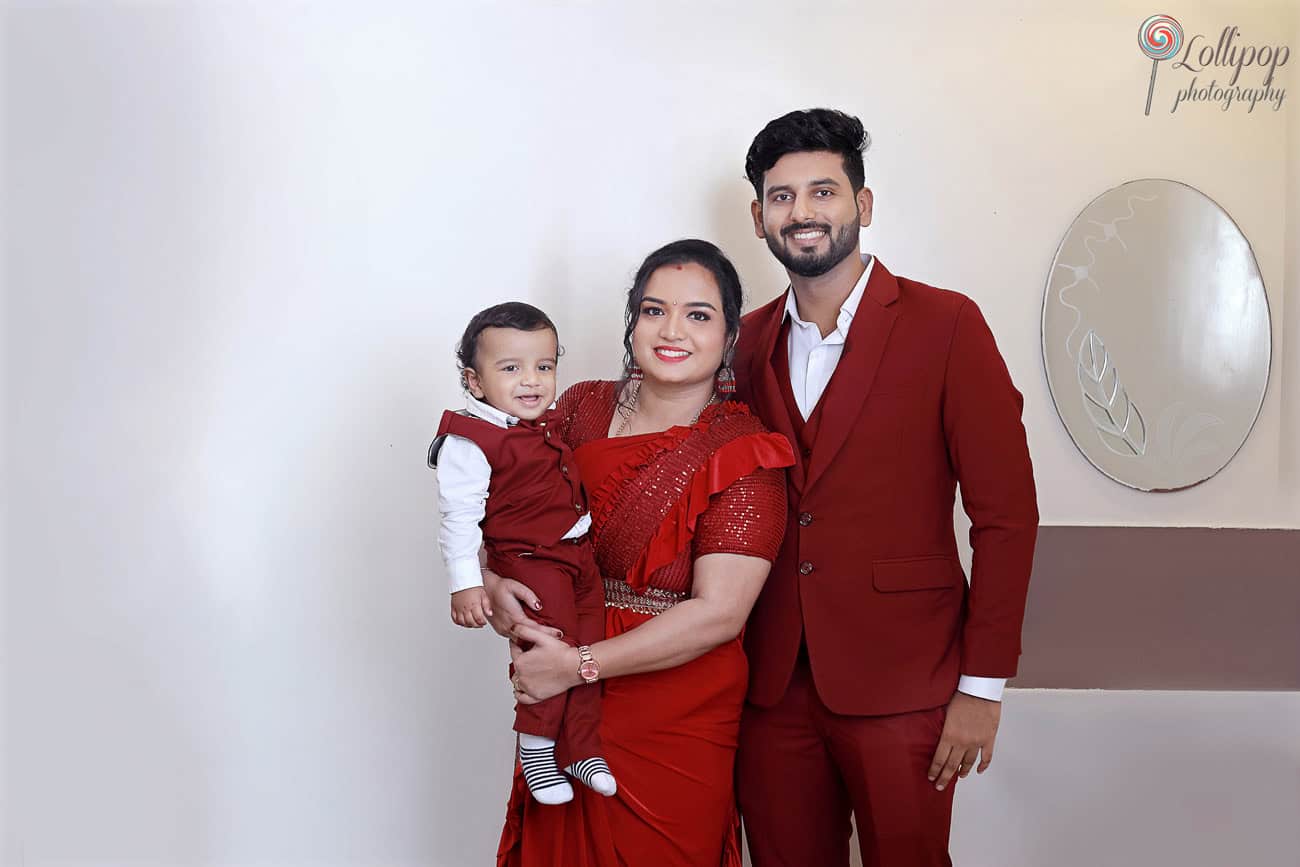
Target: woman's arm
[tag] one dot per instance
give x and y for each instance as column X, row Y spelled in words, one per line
column 724, row 590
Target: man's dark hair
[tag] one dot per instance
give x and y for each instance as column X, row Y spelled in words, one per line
column 512, row 314
column 683, row 252
column 814, row 129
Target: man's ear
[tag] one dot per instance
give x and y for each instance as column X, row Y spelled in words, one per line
column 865, row 201
column 472, row 383
column 756, row 210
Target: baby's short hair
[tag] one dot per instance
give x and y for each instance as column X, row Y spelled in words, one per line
column 511, row 314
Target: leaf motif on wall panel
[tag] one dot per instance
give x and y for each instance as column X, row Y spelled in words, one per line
column 1117, row 419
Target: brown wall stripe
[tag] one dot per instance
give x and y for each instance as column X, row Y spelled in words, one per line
column 1163, row 608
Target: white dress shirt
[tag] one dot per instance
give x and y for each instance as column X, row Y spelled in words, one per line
column 463, row 478
column 812, row 362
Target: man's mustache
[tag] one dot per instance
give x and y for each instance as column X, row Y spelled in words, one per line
column 805, row 227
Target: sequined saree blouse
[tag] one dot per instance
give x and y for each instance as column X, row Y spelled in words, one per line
column 660, row 500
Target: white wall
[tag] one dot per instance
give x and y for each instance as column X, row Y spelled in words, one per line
column 4, row 476
column 1125, row 779
column 247, row 239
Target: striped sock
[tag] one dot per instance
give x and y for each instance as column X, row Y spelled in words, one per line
column 537, row 758
column 594, row 774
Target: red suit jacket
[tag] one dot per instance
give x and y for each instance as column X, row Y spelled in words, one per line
column 868, row 574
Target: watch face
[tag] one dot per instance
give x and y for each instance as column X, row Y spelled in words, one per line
column 589, row 670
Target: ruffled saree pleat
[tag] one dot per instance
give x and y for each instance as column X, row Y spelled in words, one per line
column 663, row 483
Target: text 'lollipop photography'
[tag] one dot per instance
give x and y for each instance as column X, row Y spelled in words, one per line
column 1241, row 72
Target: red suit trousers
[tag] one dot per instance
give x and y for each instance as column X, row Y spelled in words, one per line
column 802, row 770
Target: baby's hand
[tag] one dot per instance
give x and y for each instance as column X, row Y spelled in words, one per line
column 470, row 607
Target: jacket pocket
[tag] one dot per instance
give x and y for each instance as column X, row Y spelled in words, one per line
column 916, row 573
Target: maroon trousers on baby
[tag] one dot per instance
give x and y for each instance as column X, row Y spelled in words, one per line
column 565, row 578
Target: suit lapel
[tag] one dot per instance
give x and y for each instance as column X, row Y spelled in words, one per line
column 767, row 391
column 841, row 404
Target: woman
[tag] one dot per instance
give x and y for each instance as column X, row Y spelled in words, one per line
column 687, row 497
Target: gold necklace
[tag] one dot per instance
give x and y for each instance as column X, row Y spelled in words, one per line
column 630, row 410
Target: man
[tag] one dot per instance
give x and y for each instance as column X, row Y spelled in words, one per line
column 876, row 673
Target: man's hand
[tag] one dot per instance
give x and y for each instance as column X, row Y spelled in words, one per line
column 509, row 599
column 470, row 607
column 970, row 728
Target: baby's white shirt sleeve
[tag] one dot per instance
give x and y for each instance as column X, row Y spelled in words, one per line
column 463, row 477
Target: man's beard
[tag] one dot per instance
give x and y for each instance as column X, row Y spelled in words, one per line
column 843, row 243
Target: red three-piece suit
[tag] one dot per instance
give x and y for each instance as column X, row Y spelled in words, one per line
column 866, row 621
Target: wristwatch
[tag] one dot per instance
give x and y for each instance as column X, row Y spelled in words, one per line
column 588, row 667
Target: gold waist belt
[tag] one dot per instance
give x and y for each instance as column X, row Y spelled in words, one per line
column 654, row 601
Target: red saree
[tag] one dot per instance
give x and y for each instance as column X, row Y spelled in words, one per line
column 657, row 502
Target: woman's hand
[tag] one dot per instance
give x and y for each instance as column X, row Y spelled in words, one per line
column 509, row 599
column 546, row 669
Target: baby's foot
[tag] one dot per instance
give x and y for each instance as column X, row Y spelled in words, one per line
column 537, row 758
column 595, row 774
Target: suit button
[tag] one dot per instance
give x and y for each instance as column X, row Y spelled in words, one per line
column 564, row 469
column 548, row 435
column 805, row 518
column 805, row 568
column 577, row 507
column 807, row 453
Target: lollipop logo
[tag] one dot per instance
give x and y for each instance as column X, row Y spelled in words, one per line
column 1160, row 38
column 1230, row 64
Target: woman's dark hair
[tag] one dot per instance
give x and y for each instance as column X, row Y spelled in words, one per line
column 684, row 252
column 814, row 129
column 512, row 314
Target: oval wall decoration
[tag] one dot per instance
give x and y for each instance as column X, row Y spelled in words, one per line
column 1156, row 335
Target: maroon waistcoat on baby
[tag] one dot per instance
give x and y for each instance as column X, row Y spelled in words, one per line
column 535, row 495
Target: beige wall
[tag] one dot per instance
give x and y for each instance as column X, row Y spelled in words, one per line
column 248, row 238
